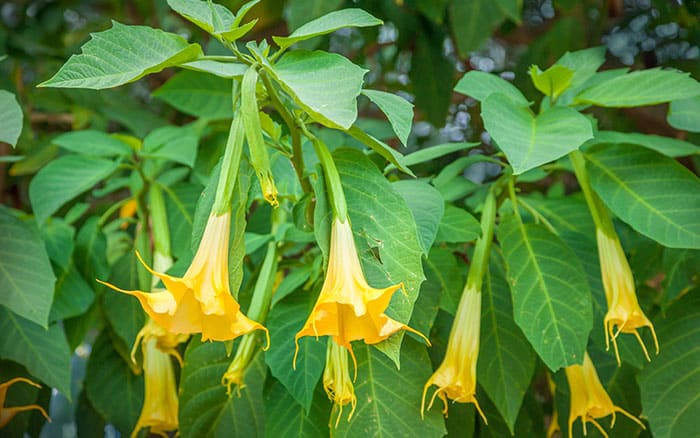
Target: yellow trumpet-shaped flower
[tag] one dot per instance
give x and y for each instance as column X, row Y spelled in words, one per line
column 348, row 308
column 456, row 376
column 200, row 301
column 336, row 379
column 7, row 413
column 589, row 400
column 160, row 404
column 624, row 314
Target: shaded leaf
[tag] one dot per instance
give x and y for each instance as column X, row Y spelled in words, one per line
column 90, row 142
column 457, row 226
column 198, row 94
column 427, row 207
column 398, row 110
column 685, row 114
column 11, row 118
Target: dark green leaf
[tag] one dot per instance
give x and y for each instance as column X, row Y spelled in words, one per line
column 427, row 207
column 123, row 312
column 668, row 146
column 472, row 23
column 432, row 77
column 287, row 418
column 173, row 143
column 198, row 94
column 73, row 295
column 91, row 142
column 11, row 118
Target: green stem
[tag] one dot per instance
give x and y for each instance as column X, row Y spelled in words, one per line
column 598, row 211
column 159, row 221
column 231, row 161
column 480, row 258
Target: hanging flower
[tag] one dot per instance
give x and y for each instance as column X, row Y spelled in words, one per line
column 348, row 308
column 160, row 404
column 589, row 400
column 336, row 379
column 200, row 301
column 624, row 314
column 456, row 376
column 7, row 413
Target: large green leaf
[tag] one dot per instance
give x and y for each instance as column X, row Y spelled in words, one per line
column 685, row 114
column 198, row 94
column 528, row 140
column 325, row 85
column 287, row 418
column 205, row 408
column 11, row 117
column 472, row 22
column 121, row 55
column 669, row 384
column 551, row 299
column 44, row 352
column 668, row 146
column 63, row 179
column 645, row 87
column 112, row 388
column 398, row 110
column 172, row 143
column 506, row 360
column 26, row 278
column 457, row 226
column 654, row 194
column 123, row 312
column 90, row 142
column 285, row 320
column 327, row 24
column 427, row 207
column 210, row 16
column 584, row 63
column 385, row 235
column 73, row 295
column 59, row 239
column 388, row 400
column 480, row 85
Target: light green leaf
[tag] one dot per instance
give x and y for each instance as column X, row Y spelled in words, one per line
column 173, row 143
column 668, row 146
column 121, row 55
column 290, row 419
column 91, row 142
column 325, row 85
column 427, row 207
column 506, row 360
column 327, row 24
column 584, row 63
column 457, row 226
column 43, row 352
column 398, row 110
column 210, row 16
column 59, row 239
column 644, row 87
column 432, row 152
column 112, row 388
column 11, row 118
column 198, row 94
column 63, row 179
column 528, row 140
column 26, row 278
column 553, row 81
column 480, row 85
column 511, row 8
column 551, row 299
column 472, row 22
column 654, row 194
column 685, row 114
column 205, row 409
column 221, row 69
column 285, row 320
column 73, row 295
column 390, row 154
column 669, row 384
column 388, row 399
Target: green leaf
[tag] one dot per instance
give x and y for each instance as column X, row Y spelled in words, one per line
column 26, row 278
column 90, row 255
column 398, row 110
column 285, row 320
column 123, row 312
column 73, row 295
column 325, row 85
column 210, row 16
column 528, row 140
column 551, row 299
column 180, row 204
column 63, row 179
column 327, row 24
column 205, row 409
column 221, row 69
column 644, row 87
column 480, row 85
column 444, row 273
column 121, row 55
column 685, row 114
column 511, row 8
column 173, row 143
column 388, row 400
column 390, row 154
column 668, row 146
column 198, row 94
column 427, row 207
column 432, row 77
column 432, row 152
column 506, row 360
column 457, row 226
column 43, row 352
column 669, row 384
column 682, row 273
column 287, row 418
column 59, row 239
column 91, row 142
column 114, row 391
column 473, row 22
column 11, row 118
column 584, row 63
column 654, row 194
column 553, row 81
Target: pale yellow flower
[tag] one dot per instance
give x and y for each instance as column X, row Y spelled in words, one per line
column 7, row 413
column 624, row 314
column 589, row 400
column 200, row 301
column 336, row 379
